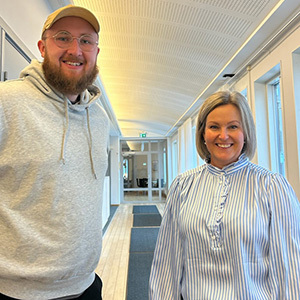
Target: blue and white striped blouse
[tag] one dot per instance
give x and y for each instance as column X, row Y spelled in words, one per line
column 228, row 234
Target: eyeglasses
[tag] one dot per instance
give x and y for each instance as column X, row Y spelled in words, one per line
column 64, row 40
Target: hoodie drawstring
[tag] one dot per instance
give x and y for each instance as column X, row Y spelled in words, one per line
column 65, row 134
column 91, row 142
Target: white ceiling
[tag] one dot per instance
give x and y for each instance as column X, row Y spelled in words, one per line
column 160, row 58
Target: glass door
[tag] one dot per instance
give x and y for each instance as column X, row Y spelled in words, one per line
column 142, row 171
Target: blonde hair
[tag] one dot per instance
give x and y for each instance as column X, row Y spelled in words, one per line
column 223, row 98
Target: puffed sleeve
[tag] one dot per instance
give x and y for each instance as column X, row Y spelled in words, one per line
column 284, row 240
column 167, row 265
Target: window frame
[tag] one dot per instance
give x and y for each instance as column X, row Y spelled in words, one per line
column 275, row 123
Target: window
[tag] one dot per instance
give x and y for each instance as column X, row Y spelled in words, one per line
column 269, row 121
column 195, row 154
column 244, row 93
column 125, row 168
column 279, row 126
column 174, row 159
column 164, row 164
column 296, row 76
column 197, row 160
column 276, row 127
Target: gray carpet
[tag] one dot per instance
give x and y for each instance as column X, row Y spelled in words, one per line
column 146, row 222
column 143, row 220
column 143, row 239
column 138, row 275
column 145, row 209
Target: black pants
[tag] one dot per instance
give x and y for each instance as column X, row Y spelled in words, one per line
column 94, row 292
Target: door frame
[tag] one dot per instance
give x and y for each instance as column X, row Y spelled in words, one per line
column 160, row 166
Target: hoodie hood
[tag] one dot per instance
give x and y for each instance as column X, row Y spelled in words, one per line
column 35, row 75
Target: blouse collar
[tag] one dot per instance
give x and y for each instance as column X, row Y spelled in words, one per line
column 231, row 168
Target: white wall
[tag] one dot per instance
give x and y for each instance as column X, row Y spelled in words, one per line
column 115, row 170
column 282, row 55
column 17, row 14
column 106, row 201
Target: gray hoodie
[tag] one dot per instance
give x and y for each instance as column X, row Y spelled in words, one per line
column 53, row 159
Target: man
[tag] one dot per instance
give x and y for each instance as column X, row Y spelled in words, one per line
column 53, row 159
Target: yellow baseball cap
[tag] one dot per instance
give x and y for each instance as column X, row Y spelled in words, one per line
column 71, row 11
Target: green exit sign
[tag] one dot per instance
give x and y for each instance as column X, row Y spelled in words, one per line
column 143, row 135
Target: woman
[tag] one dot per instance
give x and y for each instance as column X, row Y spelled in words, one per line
column 230, row 229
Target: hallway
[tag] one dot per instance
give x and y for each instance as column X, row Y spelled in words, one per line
column 113, row 265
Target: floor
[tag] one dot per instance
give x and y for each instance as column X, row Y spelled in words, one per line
column 113, row 265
